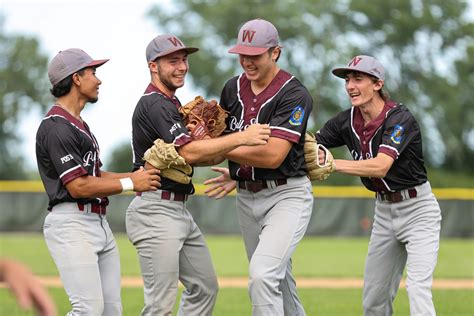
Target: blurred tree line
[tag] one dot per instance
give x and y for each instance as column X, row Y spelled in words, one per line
column 426, row 47
column 23, row 88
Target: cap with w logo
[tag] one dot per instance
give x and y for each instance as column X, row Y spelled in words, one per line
column 362, row 63
column 255, row 38
column 166, row 44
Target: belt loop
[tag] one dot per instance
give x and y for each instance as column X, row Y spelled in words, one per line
column 270, row 184
column 405, row 195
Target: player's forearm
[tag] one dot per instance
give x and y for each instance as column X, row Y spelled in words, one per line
column 201, row 151
column 212, row 162
column 374, row 168
column 114, row 175
column 255, row 156
column 91, row 187
column 269, row 156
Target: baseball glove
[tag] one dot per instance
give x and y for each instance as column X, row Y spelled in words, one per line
column 316, row 171
column 164, row 156
column 206, row 118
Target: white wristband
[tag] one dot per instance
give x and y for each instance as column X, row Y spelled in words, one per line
column 127, row 184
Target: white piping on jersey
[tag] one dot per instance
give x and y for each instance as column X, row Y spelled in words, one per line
column 69, row 170
column 352, row 126
column 286, row 130
column 372, row 155
column 150, row 93
column 92, row 138
column 261, row 107
column 391, row 148
column 266, row 102
column 153, row 92
column 386, row 185
column 133, row 149
column 178, row 137
column 263, row 104
column 82, row 131
column 238, row 97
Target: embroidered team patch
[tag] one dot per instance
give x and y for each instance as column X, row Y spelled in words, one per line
column 297, row 116
column 396, row 136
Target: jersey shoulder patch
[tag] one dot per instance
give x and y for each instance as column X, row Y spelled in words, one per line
column 297, row 116
column 397, row 134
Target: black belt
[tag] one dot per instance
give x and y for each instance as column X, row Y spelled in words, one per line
column 170, row 196
column 259, row 185
column 395, row 197
column 95, row 208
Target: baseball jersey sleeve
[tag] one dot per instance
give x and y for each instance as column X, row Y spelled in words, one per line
column 64, row 153
column 330, row 135
column 400, row 130
column 170, row 126
column 291, row 115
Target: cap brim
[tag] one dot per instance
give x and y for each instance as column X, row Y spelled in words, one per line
column 97, row 63
column 248, row 50
column 341, row 72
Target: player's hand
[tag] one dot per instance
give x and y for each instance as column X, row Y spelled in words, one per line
column 146, row 180
column 321, row 156
column 256, row 134
column 27, row 290
column 221, row 185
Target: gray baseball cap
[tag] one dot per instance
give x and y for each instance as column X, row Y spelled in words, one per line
column 362, row 63
column 255, row 38
column 166, row 44
column 69, row 61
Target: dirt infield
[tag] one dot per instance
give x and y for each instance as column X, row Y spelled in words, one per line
column 302, row 283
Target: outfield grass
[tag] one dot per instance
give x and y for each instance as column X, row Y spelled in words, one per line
column 315, row 257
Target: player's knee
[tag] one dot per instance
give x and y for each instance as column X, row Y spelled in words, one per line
column 210, row 287
column 87, row 307
column 261, row 280
column 419, row 289
column 112, row 309
column 376, row 307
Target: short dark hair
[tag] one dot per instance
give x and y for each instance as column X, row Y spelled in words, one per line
column 63, row 87
column 384, row 95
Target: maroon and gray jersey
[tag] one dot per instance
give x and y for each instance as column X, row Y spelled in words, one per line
column 285, row 105
column 395, row 132
column 156, row 116
column 65, row 150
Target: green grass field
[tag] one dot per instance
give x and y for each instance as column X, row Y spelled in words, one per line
column 315, row 257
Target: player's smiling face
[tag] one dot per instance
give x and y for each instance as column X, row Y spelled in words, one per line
column 259, row 68
column 171, row 70
column 361, row 88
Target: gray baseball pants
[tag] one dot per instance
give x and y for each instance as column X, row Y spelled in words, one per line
column 404, row 233
column 86, row 255
column 171, row 247
column 273, row 221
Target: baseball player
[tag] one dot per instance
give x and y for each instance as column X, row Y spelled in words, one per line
column 274, row 195
column 76, row 230
column 169, row 244
column 385, row 142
